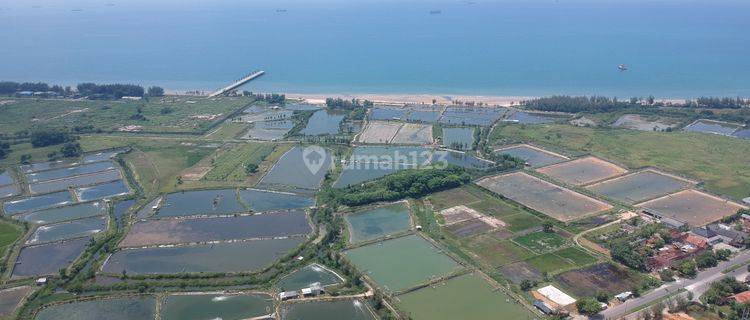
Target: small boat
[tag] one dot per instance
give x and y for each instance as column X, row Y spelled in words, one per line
column 436, row 11
column 622, row 67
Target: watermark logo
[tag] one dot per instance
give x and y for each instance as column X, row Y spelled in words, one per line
column 314, row 157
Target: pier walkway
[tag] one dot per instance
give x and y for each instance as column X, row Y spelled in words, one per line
column 238, row 83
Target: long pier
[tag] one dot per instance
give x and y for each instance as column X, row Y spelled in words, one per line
column 238, row 83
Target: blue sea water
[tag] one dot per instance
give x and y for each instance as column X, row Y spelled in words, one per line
column 674, row 48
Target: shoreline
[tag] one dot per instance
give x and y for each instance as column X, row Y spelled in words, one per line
column 409, row 98
column 388, row 98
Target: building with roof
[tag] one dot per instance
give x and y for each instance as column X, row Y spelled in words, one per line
column 556, row 295
column 742, row 297
column 728, row 234
column 286, row 295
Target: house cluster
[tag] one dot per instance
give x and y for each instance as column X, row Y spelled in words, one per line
column 684, row 245
column 692, row 243
column 315, row 289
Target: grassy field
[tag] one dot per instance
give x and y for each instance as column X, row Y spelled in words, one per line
column 9, row 233
column 520, row 244
column 227, row 131
column 230, row 165
column 156, row 162
column 719, row 161
column 167, row 114
column 541, row 241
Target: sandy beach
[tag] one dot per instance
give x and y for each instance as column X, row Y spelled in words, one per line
column 411, row 98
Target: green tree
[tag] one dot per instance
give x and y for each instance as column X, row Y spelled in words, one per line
column 687, row 269
column 71, row 149
column 588, row 306
column 155, row 91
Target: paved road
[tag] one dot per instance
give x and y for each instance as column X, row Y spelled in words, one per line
column 698, row 285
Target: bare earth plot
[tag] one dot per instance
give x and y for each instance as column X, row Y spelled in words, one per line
column 600, row 277
column 534, row 157
column 582, row 171
column 547, row 198
column 692, row 207
column 379, row 132
column 463, row 221
column 413, row 133
column 640, row 186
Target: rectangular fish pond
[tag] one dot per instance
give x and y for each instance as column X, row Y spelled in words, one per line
column 77, row 181
column 172, row 231
column 103, row 191
column 300, row 167
column 378, row 222
column 48, row 259
column 71, row 171
column 525, row 117
column 37, row 202
column 471, row 116
column 264, row 200
column 65, row 213
column 9, row 191
column 464, row 297
column 200, row 202
column 533, row 156
column 458, row 138
column 6, row 178
column 10, row 299
column 402, row 263
column 323, row 122
column 124, row 308
column 68, row 230
column 326, row 310
column 102, row 156
column 34, row 167
column 306, row 276
column 213, row 257
column 715, row 127
column 196, row 306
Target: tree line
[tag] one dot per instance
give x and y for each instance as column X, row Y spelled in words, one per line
column 338, row 103
column 273, row 98
column 88, row 89
column 10, row 87
column 599, row 104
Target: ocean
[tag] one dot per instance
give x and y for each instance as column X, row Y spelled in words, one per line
column 673, row 48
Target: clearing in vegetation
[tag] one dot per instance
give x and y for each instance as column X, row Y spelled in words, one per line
column 692, row 207
column 547, row 198
column 640, row 186
column 402, row 263
column 582, row 171
column 463, row 297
